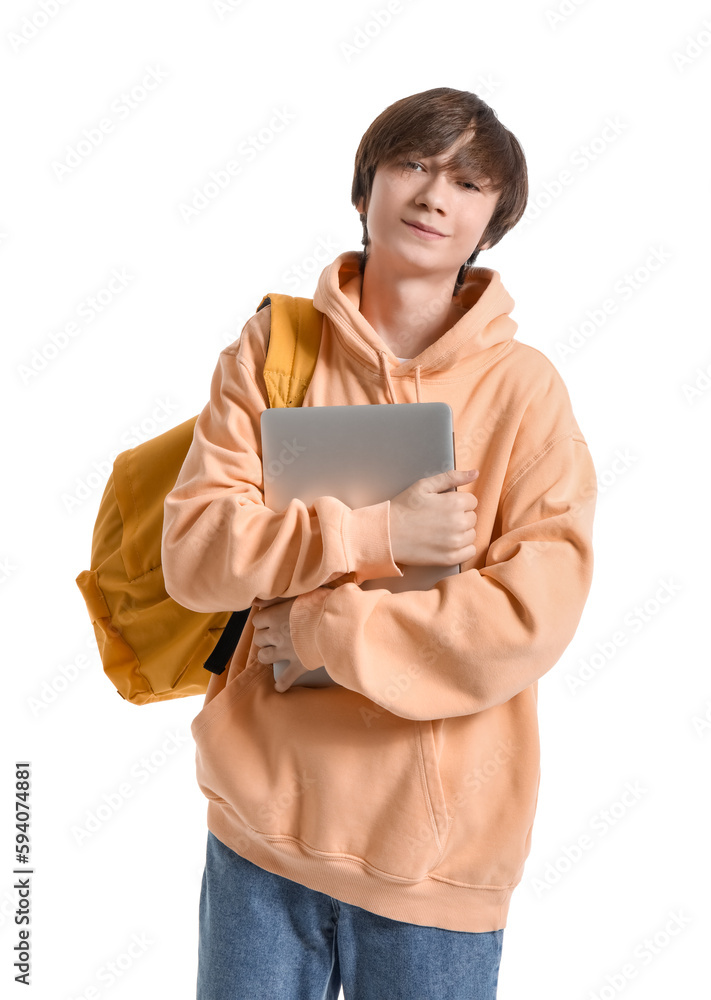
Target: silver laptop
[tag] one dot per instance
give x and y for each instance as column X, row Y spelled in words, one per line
column 362, row 455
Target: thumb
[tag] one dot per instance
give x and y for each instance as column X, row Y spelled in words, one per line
column 446, row 480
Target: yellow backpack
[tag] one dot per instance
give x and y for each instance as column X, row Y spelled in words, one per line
column 152, row 648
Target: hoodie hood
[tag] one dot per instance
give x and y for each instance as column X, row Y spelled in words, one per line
column 469, row 343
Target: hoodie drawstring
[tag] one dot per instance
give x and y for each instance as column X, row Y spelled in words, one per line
column 386, row 373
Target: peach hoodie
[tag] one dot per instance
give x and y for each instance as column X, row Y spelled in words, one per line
column 410, row 789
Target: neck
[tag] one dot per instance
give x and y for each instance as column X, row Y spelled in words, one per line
column 408, row 312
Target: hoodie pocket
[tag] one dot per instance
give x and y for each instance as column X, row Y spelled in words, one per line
column 325, row 767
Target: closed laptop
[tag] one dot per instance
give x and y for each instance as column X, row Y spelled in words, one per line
column 361, row 455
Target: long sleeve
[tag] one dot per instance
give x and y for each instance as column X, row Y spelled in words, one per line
column 478, row 638
column 221, row 547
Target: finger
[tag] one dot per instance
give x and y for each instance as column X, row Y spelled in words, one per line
column 261, row 624
column 444, row 481
column 284, row 683
column 288, row 677
column 268, row 653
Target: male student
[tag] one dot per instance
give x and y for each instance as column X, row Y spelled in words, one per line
column 371, row 833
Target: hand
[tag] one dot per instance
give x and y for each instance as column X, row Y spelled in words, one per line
column 431, row 526
column 273, row 635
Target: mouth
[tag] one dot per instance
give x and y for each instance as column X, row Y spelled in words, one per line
column 428, row 232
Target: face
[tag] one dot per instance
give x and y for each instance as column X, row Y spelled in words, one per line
column 420, row 191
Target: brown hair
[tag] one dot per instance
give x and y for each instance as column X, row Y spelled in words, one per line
column 430, row 122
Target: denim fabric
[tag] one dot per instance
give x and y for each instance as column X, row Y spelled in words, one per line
column 264, row 937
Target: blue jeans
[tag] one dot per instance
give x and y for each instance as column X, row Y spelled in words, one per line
column 264, row 937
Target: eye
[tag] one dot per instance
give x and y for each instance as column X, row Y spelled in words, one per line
column 470, row 184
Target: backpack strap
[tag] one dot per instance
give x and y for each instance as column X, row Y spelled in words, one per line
column 294, row 340
column 292, row 350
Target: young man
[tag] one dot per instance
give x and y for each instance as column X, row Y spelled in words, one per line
column 371, row 833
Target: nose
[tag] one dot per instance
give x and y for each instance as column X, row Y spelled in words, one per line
column 432, row 193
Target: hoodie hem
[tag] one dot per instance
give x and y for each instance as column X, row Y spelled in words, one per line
column 431, row 902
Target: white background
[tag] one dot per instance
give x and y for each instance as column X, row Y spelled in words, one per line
column 642, row 717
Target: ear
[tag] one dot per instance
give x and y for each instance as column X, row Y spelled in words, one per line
column 360, row 207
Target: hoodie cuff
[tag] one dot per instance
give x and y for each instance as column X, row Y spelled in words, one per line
column 304, row 618
column 366, row 532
